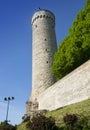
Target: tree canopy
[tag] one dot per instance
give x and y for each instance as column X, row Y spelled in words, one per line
column 75, row 48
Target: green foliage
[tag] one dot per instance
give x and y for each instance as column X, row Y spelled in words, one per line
column 81, row 110
column 76, row 123
column 75, row 48
column 70, row 120
column 84, row 122
column 22, row 126
column 26, row 119
column 5, row 126
column 41, row 122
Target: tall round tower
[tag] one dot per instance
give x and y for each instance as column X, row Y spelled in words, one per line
column 43, row 48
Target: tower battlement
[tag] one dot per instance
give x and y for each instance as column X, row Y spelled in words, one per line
column 46, row 14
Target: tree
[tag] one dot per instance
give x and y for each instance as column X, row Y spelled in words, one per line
column 75, row 48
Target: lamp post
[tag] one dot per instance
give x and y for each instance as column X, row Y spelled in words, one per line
column 8, row 99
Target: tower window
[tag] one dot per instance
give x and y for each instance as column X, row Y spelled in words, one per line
column 34, row 19
column 47, row 62
column 36, row 26
column 45, row 39
column 43, row 16
column 40, row 16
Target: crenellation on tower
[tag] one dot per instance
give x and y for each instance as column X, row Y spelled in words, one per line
column 44, row 14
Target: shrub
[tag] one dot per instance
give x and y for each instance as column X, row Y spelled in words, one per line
column 26, row 119
column 5, row 126
column 70, row 120
column 84, row 123
column 40, row 122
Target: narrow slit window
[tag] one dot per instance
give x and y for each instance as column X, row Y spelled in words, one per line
column 36, row 26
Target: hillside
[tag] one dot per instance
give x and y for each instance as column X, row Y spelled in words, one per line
column 81, row 109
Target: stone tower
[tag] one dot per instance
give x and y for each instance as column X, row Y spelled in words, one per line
column 43, row 48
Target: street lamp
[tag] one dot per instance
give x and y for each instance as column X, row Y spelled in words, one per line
column 8, row 99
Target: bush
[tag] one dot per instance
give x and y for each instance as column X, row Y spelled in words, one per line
column 74, row 123
column 70, row 120
column 5, row 126
column 84, row 123
column 26, row 119
column 40, row 122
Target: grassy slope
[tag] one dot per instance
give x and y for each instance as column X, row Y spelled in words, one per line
column 81, row 109
column 22, row 126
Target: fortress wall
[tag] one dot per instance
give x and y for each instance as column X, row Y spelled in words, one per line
column 73, row 88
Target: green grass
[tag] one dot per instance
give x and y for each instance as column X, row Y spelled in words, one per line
column 80, row 109
column 22, row 126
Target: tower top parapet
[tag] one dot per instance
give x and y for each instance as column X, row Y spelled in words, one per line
column 42, row 13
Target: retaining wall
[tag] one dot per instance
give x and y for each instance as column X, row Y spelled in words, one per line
column 73, row 88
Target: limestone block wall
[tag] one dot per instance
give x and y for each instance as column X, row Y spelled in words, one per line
column 73, row 88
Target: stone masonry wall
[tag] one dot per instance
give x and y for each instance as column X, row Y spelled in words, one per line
column 73, row 88
column 43, row 48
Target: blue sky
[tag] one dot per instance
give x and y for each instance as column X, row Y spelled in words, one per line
column 16, row 47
